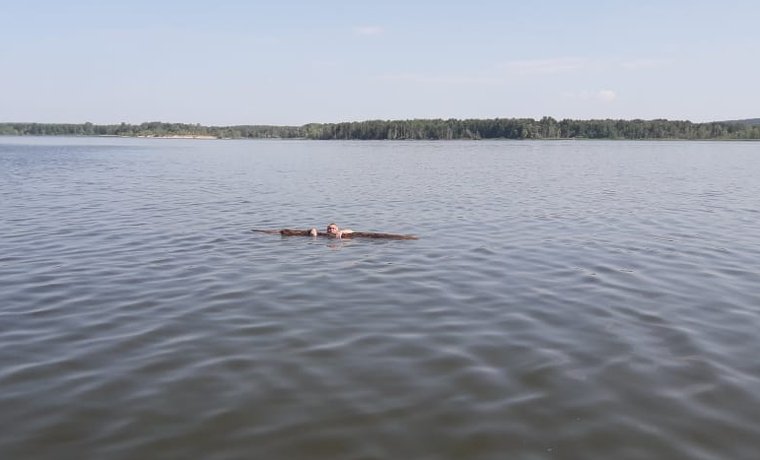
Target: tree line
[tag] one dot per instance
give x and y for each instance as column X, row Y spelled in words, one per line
column 435, row 129
column 149, row 129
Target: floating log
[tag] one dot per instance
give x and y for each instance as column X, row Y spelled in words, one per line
column 377, row 235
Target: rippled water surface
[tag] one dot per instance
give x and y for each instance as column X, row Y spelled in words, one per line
column 570, row 300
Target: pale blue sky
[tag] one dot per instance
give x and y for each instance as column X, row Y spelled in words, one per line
column 294, row 62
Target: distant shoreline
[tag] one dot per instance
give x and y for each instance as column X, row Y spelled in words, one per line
column 173, row 136
column 546, row 128
column 493, row 139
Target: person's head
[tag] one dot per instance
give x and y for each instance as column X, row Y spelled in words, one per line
column 332, row 229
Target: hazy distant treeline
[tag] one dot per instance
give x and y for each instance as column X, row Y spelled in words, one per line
column 151, row 129
column 528, row 128
column 496, row 128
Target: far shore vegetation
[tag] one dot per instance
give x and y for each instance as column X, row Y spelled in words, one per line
column 422, row 129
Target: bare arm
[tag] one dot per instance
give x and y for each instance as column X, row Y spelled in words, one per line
column 344, row 232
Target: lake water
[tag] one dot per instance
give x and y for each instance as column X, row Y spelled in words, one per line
column 565, row 300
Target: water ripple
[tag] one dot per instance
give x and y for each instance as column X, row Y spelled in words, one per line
column 565, row 300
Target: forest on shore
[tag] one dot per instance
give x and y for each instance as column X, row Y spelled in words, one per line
column 421, row 129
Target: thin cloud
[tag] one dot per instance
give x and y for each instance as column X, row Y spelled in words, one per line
column 573, row 64
column 368, row 30
column 544, row 66
column 507, row 72
column 602, row 95
column 439, row 79
column 605, row 95
column 638, row 64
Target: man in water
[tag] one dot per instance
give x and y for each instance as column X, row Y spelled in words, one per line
column 333, row 230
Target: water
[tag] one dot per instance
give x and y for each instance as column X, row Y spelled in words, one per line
column 565, row 300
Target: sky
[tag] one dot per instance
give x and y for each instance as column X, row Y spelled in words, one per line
column 289, row 62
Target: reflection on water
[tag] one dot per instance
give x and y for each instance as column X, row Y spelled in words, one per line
column 566, row 300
